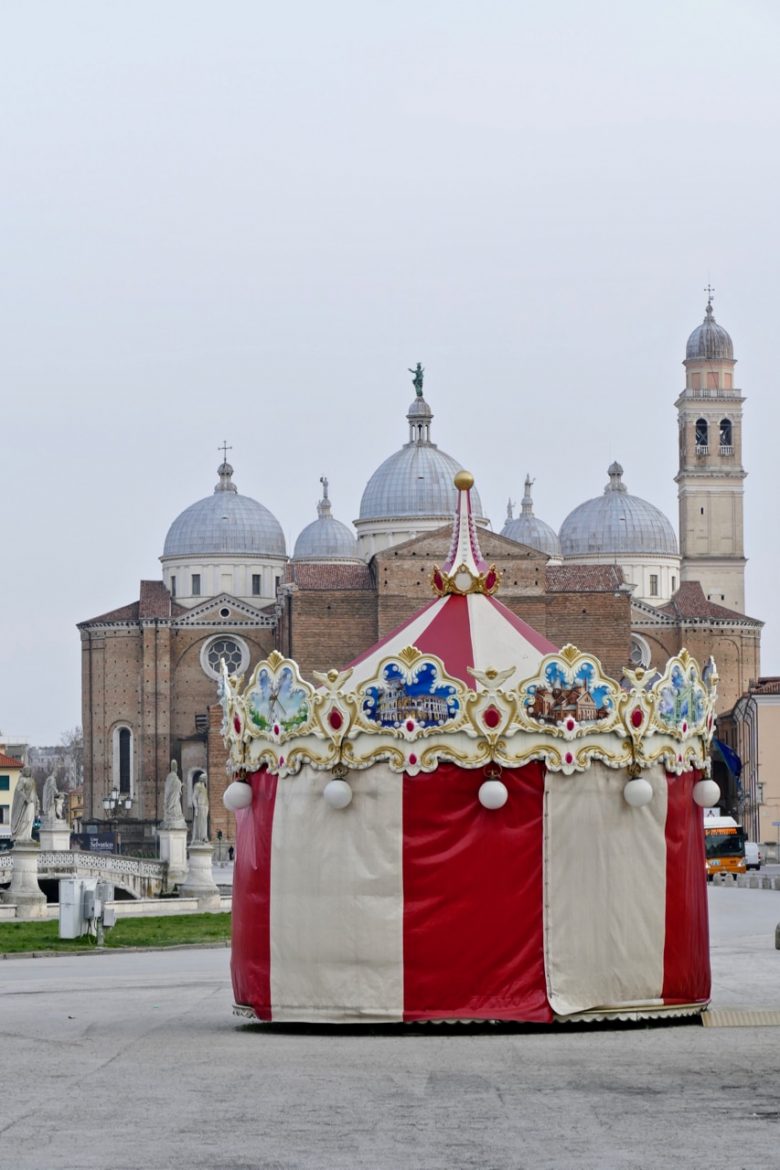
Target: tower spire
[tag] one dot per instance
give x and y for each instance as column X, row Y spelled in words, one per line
column 465, row 569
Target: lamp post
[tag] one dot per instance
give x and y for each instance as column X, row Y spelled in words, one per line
column 115, row 803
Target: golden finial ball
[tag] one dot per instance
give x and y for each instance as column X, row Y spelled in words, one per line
column 463, row 481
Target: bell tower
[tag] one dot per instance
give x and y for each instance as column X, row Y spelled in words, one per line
column 710, row 477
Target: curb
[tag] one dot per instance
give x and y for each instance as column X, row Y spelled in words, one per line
column 210, row 946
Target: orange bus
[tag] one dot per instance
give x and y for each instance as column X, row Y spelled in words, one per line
column 724, row 844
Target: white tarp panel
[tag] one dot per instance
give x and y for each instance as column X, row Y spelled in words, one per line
column 337, row 899
column 605, row 890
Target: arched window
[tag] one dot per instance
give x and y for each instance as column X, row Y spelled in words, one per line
column 726, row 437
column 702, row 435
column 640, row 652
column 122, row 762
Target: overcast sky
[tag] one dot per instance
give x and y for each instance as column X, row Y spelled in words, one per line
column 245, row 220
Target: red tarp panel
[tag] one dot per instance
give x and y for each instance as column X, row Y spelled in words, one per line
column 250, row 961
column 687, row 945
column 473, row 946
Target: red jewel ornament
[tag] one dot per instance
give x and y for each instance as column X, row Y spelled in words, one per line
column 236, row 724
column 281, row 761
column 409, row 725
column 276, row 728
column 490, row 580
column 438, row 580
column 413, row 759
column 637, row 718
column 684, row 728
column 569, row 758
column 570, row 725
column 335, row 719
column 491, row 717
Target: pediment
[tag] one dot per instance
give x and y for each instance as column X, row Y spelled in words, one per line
column 434, row 546
column 209, row 613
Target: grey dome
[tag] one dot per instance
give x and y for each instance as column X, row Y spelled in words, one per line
column 417, row 480
column 225, row 522
column 709, row 340
column 529, row 529
column 618, row 523
column 326, row 539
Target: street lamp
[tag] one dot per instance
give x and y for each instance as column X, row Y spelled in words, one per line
column 114, row 801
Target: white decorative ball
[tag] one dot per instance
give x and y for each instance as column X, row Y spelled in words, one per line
column 638, row 792
column 338, row 793
column 493, row 794
column 237, row 795
column 706, row 793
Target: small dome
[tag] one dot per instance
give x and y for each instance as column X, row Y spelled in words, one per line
column 709, row 340
column 326, row 539
column 225, row 522
column 529, row 529
column 419, row 409
column 617, row 523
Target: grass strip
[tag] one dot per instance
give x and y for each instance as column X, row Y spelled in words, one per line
column 151, row 931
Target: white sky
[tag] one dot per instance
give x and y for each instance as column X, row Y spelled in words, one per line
column 245, row 220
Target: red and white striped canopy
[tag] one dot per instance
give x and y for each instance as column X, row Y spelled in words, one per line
column 471, row 631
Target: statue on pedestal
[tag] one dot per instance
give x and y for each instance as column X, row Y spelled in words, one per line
column 173, row 816
column 200, row 811
column 53, row 802
column 24, row 807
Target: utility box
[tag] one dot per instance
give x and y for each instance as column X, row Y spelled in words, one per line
column 74, row 922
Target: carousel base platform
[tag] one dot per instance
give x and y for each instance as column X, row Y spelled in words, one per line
column 623, row 1014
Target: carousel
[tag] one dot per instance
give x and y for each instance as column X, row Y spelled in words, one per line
column 469, row 823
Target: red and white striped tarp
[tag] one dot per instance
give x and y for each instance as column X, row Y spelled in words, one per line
column 463, row 631
column 419, row 904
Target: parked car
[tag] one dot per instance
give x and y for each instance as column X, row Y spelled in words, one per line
column 753, row 856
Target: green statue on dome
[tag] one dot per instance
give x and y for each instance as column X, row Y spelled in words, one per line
column 417, row 380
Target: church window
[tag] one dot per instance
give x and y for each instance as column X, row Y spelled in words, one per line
column 653, row 584
column 256, row 585
column 712, row 379
column 4, row 814
column 674, row 584
column 234, row 651
column 702, row 436
column 173, row 586
column 726, row 436
column 196, row 584
column 277, row 582
column 640, row 652
column 122, row 761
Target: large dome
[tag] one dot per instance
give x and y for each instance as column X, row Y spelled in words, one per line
column 618, row 523
column 418, row 479
column 528, row 529
column 326, row 538
column 709, row 340
column 225, row 522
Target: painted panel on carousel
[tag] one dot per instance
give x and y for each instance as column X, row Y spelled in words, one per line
column 419, row 695
column 276, row 703
column 567, row 693
column 681, row 697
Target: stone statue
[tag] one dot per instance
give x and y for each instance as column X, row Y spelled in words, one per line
column 173, row 816
column 200, row 811
column 417, row 380
column 24, row 807
column 52, row 806
column 59, row 806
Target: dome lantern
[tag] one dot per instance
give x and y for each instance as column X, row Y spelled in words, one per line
column 528, row 529
column 326, row 539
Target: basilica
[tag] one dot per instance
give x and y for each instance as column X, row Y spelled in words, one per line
column 616, row 579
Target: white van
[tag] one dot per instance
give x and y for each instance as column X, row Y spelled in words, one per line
column 752, row 855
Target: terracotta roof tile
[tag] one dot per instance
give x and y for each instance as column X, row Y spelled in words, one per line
column 9, row 761
column 329, row 576
column 125, row 613
column 583, row 578
column 689, row 602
